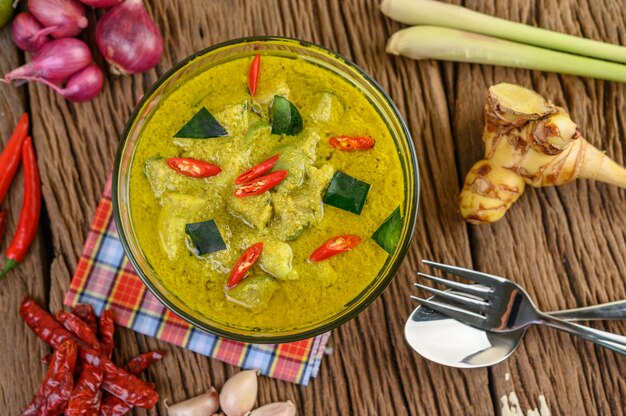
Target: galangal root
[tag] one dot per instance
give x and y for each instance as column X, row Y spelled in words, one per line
column 528, row 140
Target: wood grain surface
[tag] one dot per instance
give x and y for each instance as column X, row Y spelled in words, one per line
column 566, row 245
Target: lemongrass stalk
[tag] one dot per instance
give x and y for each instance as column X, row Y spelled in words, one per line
column 435, row 13
column 430, row 42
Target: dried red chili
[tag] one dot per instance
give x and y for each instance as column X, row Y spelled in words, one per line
column 114, row 406
column 257, row 170
column 334, row 246
column 52, row 396
column 193, row 167
column 11, row 155
column 349, row 143
column 79, row 328
column 141, row 362
column 86, row 395
column 31, row 208
column 245, row 262
column 107, row 327
column 253, row 74
column 116, row 380
column 261, row 184
column 85, row 312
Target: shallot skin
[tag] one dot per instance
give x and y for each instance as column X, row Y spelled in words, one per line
column 128, row 38
column 101, row 4
column 67, row 17
column 84, row 85
column 28, row 34
column 55, row 62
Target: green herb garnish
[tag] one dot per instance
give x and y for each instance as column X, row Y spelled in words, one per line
column 347, row 193
column 286, row 118
column 202, row 126
column 205, row 237
column 388, row 234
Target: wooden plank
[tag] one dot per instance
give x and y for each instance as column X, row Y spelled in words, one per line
column 21, row 350
column 565, row 245
column 371, row 369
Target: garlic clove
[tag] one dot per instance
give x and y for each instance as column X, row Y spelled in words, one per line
column 202, row 405
column 275, row 409
column 239, row 393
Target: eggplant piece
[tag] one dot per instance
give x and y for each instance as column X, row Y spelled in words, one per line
column 253, row 292
column 178, row 210
column 276, row 260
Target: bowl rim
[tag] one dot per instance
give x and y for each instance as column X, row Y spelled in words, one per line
column 273, row 339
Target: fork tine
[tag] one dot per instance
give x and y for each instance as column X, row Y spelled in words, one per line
column 461, row 287
column 478, row 277
column 451, row 311
column 474, row 304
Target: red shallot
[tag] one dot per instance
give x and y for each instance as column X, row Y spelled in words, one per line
column 56, row 61
column 66, row 16
column 82, row 86
column 101, row 3
column 129, row 39
column 28, row 34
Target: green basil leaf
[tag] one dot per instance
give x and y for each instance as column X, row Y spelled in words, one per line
column 286, row 118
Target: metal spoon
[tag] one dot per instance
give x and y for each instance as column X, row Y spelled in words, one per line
column 449, row 342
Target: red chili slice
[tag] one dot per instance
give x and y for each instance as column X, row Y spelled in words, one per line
column 253, row 74
column 349, row 143
column 257, row 170
column 192, row 167
column 334, row 246
column 245, row 262
column 259, row 185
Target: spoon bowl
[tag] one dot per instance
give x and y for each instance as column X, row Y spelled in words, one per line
column 449, row 342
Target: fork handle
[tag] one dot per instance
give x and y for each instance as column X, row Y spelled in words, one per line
column 611, row 310
column 608, row 340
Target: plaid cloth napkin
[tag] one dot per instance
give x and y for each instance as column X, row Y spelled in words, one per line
column 105, row 279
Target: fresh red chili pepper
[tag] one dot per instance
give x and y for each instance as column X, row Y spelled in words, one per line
column 257, row 170
column 107, row 327
column 86, row 395
column 79, row 328
column 11, row 155
column 245, row 262
column 334, row 246
column 85, row 312
column 3, row 224
column 193, row 167
column 114, row 406
column 253, row 74
column 56, row 388
column 351, row 143
column 260, row 185
column 31, row 208
column 116, row 380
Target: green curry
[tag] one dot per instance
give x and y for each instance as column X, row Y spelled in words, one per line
column 193, row 230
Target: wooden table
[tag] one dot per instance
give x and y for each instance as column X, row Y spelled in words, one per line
column 566, row 245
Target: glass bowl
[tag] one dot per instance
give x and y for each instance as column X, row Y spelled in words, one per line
column 224, row 52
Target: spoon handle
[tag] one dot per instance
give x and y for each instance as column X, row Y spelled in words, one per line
column 608, row 340
column 611, row 310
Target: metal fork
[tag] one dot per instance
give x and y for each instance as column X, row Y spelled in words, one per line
column 500, row 305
